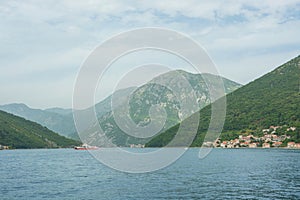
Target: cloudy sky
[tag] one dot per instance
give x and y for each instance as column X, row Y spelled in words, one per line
column 44, row 43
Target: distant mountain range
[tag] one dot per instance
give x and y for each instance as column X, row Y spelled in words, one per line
column 272, row 100
column 143, row 97
column 61, row 120
column 56, row 119
column 17, row 132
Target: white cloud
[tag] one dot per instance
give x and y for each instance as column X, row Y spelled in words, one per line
column 55, row 36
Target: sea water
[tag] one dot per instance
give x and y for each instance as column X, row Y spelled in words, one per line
column 223, row 174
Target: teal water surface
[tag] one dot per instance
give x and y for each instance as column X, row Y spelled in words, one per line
column 223, row 174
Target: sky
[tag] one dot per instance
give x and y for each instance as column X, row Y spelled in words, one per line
column 43, row 44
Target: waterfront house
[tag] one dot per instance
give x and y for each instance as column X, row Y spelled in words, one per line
column 291, row 145
column 207, row 144
column 137, row 146
column 252, row 145
column 224, row 144
column 276, row 144
column 217, row 143
column 244, row 144
column 266, row 145
column 274, row 137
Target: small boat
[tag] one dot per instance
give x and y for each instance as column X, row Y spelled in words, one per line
column 86, row 147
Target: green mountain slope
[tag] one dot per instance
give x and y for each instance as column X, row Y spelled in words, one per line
column 150, row 94
column 273, row 99
column 18, row 132
column 61, row 123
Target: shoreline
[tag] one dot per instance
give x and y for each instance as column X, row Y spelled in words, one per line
column 281, row 148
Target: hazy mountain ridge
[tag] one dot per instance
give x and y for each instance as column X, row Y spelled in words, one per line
column 60, row 111
column 58, row 120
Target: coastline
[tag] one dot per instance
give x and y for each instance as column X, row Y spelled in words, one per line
column 285, row 148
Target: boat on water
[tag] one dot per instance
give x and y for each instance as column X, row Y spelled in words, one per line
column 86, row 147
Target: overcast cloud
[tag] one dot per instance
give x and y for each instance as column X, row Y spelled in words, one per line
column 43, row 43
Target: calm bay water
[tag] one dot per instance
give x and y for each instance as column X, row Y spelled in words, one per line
column 224, row 174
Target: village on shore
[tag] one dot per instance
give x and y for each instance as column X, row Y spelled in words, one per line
column 273, row 137
column 270, row 139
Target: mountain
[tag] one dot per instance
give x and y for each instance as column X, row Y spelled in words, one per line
column 60, row 111
column 104, row 106
column 61, row 120
column 56, row 119
column 272, row 100
column 18, row 132
column 143, row 97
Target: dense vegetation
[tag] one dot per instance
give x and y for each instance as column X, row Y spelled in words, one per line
column 273, row 99
column 17, row 132
column 57, row 120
